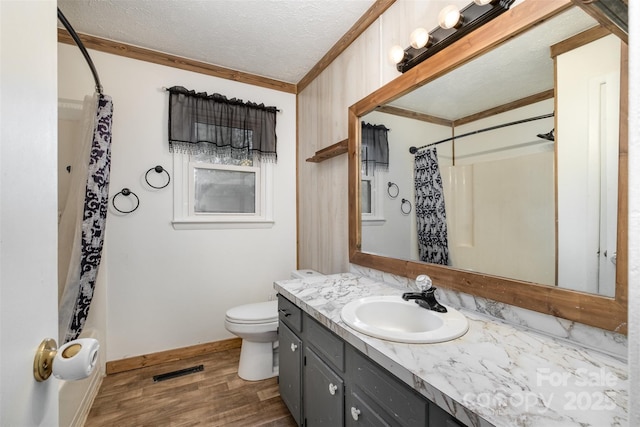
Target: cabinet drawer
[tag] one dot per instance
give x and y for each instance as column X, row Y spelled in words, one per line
column 360, row 412
column 400, row 402
column 325, row 342
column 289, row 313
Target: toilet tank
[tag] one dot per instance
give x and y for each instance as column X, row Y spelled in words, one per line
column 302, row 274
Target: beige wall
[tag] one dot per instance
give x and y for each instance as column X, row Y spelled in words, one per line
column 322, row 121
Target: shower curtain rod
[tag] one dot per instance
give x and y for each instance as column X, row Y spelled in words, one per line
column 76, row 39
column 414, row 150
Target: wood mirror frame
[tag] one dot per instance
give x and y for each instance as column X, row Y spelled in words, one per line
column 591, row 309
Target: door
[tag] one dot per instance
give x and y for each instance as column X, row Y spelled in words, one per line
column 28, row 199
column 323, row 393
column 290, row 368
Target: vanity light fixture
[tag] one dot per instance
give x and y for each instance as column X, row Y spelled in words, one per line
column 397, row 54
column 453, row 24
column 450, row 17
column 420, row 38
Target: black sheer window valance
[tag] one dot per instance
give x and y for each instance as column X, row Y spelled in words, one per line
column 212, row 124
column 375, row 147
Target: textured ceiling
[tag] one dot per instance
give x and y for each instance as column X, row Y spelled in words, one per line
column 517, row 69
column 279, row 39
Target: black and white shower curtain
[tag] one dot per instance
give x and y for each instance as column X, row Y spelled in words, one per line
column 430, row 210
column 83, row 220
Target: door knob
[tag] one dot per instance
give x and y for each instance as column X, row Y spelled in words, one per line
column 355, row 413
column 332, row 389
column 293, row 347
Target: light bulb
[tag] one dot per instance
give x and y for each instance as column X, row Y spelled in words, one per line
column 449, row 17
column 420, row 38
column 396, row 54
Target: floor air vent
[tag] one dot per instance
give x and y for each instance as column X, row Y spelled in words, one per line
column 180, row 373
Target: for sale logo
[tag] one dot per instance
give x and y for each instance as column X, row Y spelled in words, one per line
column 578, row 390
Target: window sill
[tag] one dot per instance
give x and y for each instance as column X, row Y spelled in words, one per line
column 217, row 224
column 373, row 221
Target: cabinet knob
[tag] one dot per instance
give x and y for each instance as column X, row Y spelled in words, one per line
column 355, row 413
column 294, row 347
column 332, row 388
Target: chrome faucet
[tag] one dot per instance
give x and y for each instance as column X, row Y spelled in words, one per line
column 426, row 297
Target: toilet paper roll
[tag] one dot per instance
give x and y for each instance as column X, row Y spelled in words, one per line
column 76, row 359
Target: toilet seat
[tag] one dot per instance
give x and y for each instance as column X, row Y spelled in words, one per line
column 258, row 313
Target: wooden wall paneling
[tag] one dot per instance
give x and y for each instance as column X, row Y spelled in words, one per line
column 307, row 176
column 322, row 120
column 341, row 45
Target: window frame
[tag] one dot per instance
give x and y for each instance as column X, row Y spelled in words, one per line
column 184, row 217
column 376, row 216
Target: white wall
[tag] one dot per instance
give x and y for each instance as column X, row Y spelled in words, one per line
column 584, row 122
column 512, row 197
column 171, row 288
column 28, row 289
column 397, row 236
column 510, row 194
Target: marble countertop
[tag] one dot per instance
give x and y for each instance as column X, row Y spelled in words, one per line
column 497, row 374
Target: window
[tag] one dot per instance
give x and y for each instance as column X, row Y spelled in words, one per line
column 211, row 194
column 223, row 159
column 374, row 162
column 220, row 190
column 371, row 201
column 367, row 196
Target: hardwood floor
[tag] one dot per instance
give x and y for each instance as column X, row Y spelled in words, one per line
column 215, row 396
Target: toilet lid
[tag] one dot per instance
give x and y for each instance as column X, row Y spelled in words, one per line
column 260, row 312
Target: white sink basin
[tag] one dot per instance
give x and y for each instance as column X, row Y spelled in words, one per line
column 393, row 319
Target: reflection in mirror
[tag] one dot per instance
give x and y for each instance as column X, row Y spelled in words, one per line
column 516, row 171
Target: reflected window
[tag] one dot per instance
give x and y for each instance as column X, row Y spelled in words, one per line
column 366, row 196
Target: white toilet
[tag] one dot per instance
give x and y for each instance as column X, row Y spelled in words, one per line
column 257, row 325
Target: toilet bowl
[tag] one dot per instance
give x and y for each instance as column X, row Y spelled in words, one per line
column 257, row 325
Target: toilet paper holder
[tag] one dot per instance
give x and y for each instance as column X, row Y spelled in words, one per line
column 84, row 350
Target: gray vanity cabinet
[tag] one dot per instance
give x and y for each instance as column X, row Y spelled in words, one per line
column 360, row 412
column 389, row 398
column 327, row 382
column 323, row 393
column 323, row 373
column 289, row 380
column 290, row 353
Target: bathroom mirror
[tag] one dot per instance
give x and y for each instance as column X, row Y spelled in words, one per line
column 464, row 71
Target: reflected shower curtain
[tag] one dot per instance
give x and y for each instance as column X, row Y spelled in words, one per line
column 431, row 217
column 82, row 223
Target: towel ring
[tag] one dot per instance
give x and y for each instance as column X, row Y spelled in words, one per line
column 125, row 192
column 158, row 169
column 393, row 190
column 403, row 209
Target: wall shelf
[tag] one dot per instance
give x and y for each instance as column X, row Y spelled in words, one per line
column 330, row 151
